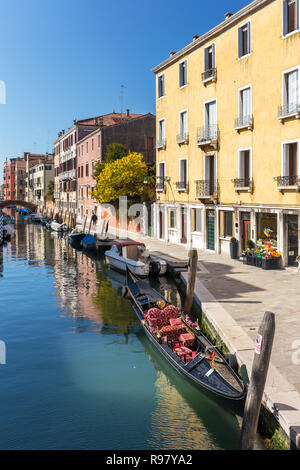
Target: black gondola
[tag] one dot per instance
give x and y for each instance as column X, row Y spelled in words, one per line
column 206, row 367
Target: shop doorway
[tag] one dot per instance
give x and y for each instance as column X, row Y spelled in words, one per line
column 183, row 226
column 246, row 234
column 292, row 239
column 210, row 230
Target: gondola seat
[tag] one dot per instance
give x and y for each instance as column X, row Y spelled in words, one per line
column 175, row 321
column 187, row 339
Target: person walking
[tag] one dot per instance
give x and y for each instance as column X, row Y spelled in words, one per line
column 94, row 219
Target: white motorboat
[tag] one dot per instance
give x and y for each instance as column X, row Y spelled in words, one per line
column 56, row 227
column 135, row 256
column 36, row 217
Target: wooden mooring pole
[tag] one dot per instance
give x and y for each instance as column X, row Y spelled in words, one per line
column 192, row 270
column 262, row 355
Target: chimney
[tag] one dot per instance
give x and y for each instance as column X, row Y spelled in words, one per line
column 127, row 113
column 195, row 37
column 227, row 15
column 172, row 53
column 74, row 122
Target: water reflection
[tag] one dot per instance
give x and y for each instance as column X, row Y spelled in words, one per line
column 184, row 417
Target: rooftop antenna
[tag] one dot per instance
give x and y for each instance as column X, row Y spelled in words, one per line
column 122, row 99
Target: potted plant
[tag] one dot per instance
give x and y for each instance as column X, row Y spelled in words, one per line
column 233, row 248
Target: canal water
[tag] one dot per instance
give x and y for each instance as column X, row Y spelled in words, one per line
column 79, row 372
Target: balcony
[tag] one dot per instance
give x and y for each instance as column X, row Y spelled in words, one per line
column 69, row 175
column 243, row 184
column 243, row 122
column 206, row 189
column 161, row 144
column 288, row 110
column 210, row 75
column 161, row 183
column 182, row 138
column 208, row 136
column 288, row 183
column 182, row 186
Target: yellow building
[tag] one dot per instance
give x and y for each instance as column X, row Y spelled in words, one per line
column 228, row 134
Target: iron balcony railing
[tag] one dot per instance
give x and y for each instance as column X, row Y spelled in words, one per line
column 206, row 188
column 67, row 175
column 208, row 133
column 182, row 185
column 161, row 144
column 293, row 180
column 209, row 74
column 243, row 183
column 289, row 109
column 182, row 138
column 161, row 183
column 244, row 121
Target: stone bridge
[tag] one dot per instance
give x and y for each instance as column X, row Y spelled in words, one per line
column 28, row 205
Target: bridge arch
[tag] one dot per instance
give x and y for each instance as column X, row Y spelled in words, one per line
column 28, row 205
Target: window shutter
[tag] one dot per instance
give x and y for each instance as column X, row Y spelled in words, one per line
column 297, row 14
column 284, row 17
column 206, row 58
column 213, row 56
column 240, row 42
column 249, row 38
column 180, row 74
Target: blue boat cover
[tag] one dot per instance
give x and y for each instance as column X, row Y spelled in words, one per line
column 89, row 240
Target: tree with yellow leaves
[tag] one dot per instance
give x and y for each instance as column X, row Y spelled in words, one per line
column 127, row 176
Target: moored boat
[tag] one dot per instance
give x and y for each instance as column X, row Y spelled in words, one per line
column 76, row 237
column 89, row 242
column 56, row 227
column 185, row 348
column 134, row 255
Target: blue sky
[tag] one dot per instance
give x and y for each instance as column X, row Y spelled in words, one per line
column 64, row 59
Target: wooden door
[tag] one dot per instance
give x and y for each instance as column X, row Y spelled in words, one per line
column 246, row 233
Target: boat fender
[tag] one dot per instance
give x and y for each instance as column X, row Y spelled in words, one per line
column 232, row 362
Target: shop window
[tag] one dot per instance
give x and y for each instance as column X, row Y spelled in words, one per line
column 227, row 224
column 196, row 220
column 267, row 228
column 172, row 218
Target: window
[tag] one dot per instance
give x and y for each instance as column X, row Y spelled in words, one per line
column 87, row 169
column 87, row 147
column 244, row 40
column 172, row 218
column 161, row 177
column 196, row 220
column 183, row 177
column 210, row 119
column 183, row 73
column 290, row 163
column 161, row 85
column 227, row 224
column 183, row 124
column 209, row 62
column 149, row 143
column 161, row 133
column 99, row 141
column 245, row 108
column 244, row 168
column 92, row 145
column 291, row 92
column 290, row 16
